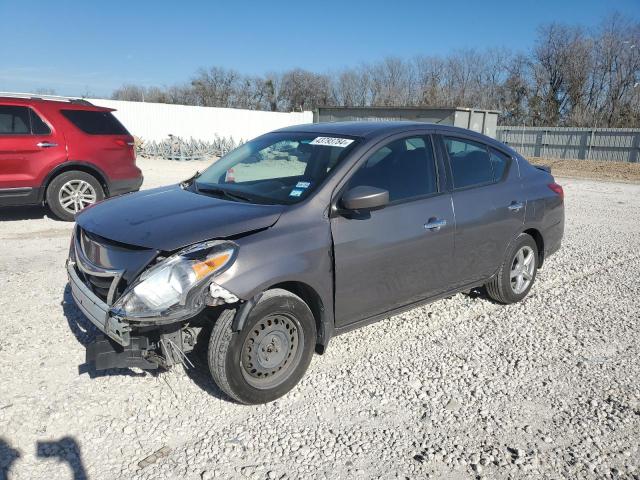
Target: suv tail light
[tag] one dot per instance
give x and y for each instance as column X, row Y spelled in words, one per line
column 124, row 143
column 557, row 189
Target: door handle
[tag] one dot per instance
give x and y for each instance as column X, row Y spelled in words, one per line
column 516, row 206
column 46, row 144
column 434, row 224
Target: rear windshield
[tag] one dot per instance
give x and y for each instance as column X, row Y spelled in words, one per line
column 95, row 123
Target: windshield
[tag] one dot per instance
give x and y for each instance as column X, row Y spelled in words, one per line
column 280, row 168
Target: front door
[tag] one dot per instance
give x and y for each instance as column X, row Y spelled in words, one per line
column 399, row 254
column 28, row 146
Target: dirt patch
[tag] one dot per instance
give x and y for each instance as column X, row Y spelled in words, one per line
column 593, row 169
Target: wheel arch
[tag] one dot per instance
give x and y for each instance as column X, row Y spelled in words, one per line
column 539, row 239
column 70, row 166
column 313, row 299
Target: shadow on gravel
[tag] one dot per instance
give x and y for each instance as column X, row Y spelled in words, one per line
column 85, row 333
column 8, row 456
column 481, row 293
column 65, row 450
column 8, row 214
column 199, row 374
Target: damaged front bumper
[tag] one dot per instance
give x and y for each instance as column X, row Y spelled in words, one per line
column 129, row 343
column 118, row 327
column 133, row 337
column 96, row 310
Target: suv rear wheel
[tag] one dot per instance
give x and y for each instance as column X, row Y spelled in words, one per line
column 70, row 192
column 271, row 353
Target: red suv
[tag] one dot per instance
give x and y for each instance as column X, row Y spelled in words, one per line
column 66, row 153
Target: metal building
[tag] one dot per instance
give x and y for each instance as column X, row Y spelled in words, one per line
column 483, row 121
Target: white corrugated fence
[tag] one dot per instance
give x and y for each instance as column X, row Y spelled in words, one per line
column 155, row 121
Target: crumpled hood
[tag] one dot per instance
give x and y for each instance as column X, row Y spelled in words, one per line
column 169, row 218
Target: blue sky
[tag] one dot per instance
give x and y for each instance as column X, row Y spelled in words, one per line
column 85, row 46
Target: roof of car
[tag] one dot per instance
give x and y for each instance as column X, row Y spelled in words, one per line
column 371, row 129
column 356, row 129
column 69, row 104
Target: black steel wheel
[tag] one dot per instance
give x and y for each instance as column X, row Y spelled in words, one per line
column 271, row 353
column 271, row 350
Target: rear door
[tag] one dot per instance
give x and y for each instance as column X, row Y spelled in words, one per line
column 29, row 147
column 391, row 257
column 488, row 203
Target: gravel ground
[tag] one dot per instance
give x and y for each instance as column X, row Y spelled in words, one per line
column 462, row 388
column 592, row 169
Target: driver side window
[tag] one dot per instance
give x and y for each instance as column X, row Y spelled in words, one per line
column 404, row 167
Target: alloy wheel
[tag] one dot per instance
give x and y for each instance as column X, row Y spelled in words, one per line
column 76, row 195
column 522, row 269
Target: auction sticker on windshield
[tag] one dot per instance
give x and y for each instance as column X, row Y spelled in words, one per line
column 331, row 141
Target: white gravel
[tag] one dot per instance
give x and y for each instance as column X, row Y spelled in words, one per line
column 461, row 388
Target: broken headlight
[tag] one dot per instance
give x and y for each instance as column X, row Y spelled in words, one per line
column 177, row 287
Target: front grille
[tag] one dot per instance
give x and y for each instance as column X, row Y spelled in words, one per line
column 101, row 281
column 99, row 285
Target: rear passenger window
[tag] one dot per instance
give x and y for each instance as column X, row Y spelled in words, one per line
column 38, row 127
column 14, row 120
column 95, row 122
column 470, row 162
column 405, row 168
column 499, row 162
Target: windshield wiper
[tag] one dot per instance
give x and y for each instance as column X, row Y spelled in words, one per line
column 224, row 193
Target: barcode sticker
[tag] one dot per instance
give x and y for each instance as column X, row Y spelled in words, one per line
column 331, row 142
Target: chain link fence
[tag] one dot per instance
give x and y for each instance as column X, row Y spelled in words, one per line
column 176, row 148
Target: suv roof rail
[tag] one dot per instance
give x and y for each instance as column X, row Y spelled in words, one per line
column 37, row 96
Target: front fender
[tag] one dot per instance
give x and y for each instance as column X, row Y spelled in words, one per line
column 285, row 254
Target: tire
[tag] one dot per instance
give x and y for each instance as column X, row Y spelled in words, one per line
column 271, row 353
column 503, row 287
column 63, row 188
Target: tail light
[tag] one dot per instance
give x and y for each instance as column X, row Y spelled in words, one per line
column 129, row 145
column 124, row 143
column 557, row 189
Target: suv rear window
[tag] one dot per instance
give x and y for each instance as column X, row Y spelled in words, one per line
column 95, row 123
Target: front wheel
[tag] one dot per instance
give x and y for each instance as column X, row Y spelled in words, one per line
column 271, row 353
column 517, row 272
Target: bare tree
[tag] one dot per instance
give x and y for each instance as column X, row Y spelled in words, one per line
column 304, row 90
column 215, row 87
column 571, row 76
column 429, row 72
column 391, row 82
column 351, row 87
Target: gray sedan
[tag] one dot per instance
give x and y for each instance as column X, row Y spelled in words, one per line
column 303, row 234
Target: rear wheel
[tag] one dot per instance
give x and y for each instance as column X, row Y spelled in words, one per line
column 517, row 272
column 70, row 192
column 269, row 356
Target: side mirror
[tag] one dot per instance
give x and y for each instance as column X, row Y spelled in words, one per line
column 365, row 198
